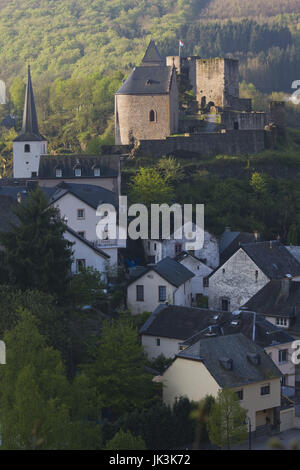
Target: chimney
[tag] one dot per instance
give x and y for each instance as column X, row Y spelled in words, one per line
column 256, row 235
column 227, row 229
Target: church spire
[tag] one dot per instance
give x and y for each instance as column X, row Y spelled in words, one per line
column 30, row 122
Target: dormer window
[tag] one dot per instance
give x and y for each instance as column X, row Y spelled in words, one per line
column 97, row 171
column 58, row 172
column 27, row 148
column 77, row 172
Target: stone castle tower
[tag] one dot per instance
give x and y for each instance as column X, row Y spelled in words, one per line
column 147, row 104
column 30, row 144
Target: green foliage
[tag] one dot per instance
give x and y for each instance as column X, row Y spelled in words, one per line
column 227, row 420
column 149, row 186
column 35, row 396
column 36, row 254
column 118, row 370
column 160, row 426
column 87, row 287
column 125, row 441
column 201, row 416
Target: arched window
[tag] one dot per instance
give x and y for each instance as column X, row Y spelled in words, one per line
column 58, row 172
column 77, row 172
column 152, row 116
column 27, row 148
column 97, row 171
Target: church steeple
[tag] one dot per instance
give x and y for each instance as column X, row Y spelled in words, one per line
column 30, row 123
column 30, row 144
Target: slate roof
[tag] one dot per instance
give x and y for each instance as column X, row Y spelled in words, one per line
column 295, row 251
column 30, row 129
column 148, row 80
column 190, row 324
column 274, row 301
column 169, row 269
column 231, row 241
column 7, row 215
column 90, row 194
column 272, row 258
column 152, row 55
column 108, row 164
column 236, row 348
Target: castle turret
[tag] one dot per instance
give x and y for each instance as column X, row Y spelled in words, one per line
column 30, row 144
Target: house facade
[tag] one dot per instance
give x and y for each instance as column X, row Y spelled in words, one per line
column 246, row 272
column 167, row 281
column 234, row 362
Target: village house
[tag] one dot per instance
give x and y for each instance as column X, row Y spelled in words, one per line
column 167, row 281
column 231, row 241
column 158, row 249
column 235, row 362
column 200, row 271
column 247, row 271
column 171, row 329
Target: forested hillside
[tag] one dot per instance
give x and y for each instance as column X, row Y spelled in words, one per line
column 81, row 51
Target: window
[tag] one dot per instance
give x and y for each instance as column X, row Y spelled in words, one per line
column 157, row 341
column 80, row 264
column 58, row 172
column 27, row 148
column 152, row 116
column 97, row 172
column 223, row 270
column 80, row 214
column 225, row 305
column 256, row 275
column 240, row 394
column 140, row 293
column 205, row 282
column 178, row 248
column 77, row 172
column 82, row 234
column 162, row 293
column 281, row 322
column 265, row 389
column 33, row 174
column 282, row 356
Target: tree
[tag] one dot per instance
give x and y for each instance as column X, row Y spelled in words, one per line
column 87, row 287
column 36, row 254
column 125, row 441
column 226, row 422
column 201, row 415
column 37, row 403
column 171, row 169
column 150, row 187
column 119, row 368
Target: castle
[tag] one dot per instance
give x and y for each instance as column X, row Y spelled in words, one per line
column 148, row 112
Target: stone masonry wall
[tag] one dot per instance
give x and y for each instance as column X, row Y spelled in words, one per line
column 132, row 113
column 207, row 144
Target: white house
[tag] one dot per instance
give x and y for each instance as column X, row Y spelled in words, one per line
column 158, row 249
column 86, row 255
column 78, row 205
column 235, row 362
column 171, row 329
column 167, row 281
column 246, row 272
column 200, row 271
